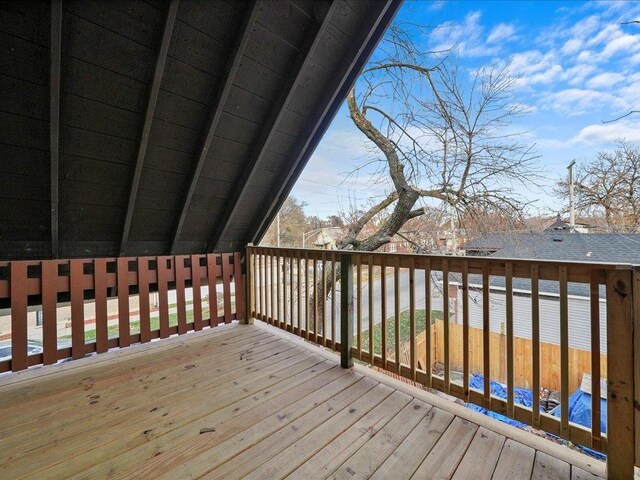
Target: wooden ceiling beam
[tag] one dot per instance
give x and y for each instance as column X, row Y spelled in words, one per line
column 357, row 58
column 231, row 69
column 54, row 119
column 161, row 61
column 312, row 42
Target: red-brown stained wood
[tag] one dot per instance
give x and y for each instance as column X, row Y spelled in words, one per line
column 77, row 309
column 181, row 274
column 100, row 289
column 19, row 360
column 163, row 295
column 226, row 286
column 196, row 286
column 49, row 312
column 239, row 285
column 212, row 278
column 143, row 299
column 124, row 330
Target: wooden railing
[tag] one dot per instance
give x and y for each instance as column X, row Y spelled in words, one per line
column 51, row 283
column 297, row 290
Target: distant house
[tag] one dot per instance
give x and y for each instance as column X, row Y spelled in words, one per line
column 560, row 245
column 552, row 244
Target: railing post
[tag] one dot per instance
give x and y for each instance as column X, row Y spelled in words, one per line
column 620, row 374
column 636, row 360
column 248, row 286
column 346, row 310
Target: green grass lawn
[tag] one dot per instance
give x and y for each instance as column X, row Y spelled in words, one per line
column 112, row 331
column 404, row 329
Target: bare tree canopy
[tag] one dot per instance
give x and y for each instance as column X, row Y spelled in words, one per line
column 441, row 139
column 609, row 185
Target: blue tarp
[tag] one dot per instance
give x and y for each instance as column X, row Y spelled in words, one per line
column 521, row 397
column 579, row 407
column 580, row 413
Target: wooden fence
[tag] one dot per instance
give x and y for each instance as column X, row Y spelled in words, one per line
column 288, row 288
column 550, row 357
column 47, row 283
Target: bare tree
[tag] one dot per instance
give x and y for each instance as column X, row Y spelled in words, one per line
column 610, row 185
column 438, row 141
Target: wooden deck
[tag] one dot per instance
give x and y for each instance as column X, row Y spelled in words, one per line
column 251, row 402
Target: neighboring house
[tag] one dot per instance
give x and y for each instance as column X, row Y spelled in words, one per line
column 551, row 244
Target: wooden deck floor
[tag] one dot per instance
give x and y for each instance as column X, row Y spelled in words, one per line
column 246, row 402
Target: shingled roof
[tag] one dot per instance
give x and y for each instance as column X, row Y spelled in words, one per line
column 562, row 246
column 165, row 127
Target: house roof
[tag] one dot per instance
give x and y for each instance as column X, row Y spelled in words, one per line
column 561, row 245
column 164, row 127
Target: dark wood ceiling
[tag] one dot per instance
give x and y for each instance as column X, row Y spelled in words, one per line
column 153, row 127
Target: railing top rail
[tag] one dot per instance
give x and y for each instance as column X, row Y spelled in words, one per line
column 473, row 258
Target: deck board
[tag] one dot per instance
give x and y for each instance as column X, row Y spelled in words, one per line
column 243, row 402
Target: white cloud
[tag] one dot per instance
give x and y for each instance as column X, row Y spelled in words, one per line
column 578, row 101
column 599, row 134
column 503, row 32
column 605, row 80
column 571, row 46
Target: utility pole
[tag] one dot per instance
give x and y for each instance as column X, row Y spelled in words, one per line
column 572, row 213
column 278, row 230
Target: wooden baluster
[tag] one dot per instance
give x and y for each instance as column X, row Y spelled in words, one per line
column 212, row 280
column 124, row 332
column 163, row 295
column 346, row 310
column 383, row 310
column 180, row 293
column 292, row 297
column 535, row 347
column 274, row 304
column 299, row 296
column 263, row 305
column 486, row 335
column 283, row 271
column 359, row 300
column 412, row 317
column 465, row 330
column 255, row 282
column 334, row 280
column 508, row 267
column 396, row 311
column 445, row 309
column 307, row 313
column 197, row 292
column 267, row 286
column 226, row 287
column 427, row 320
column 594, row 295
column 50, row 312
column 314, row 293
column 564, row 353
column 77, row 308
column 279, row 312
column 100, row 285
column 323, row 299
column 239, row 287
column 371, row 314
column 143, row 296
column 19, row 331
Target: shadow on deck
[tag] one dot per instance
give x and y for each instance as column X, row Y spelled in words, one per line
column 252, row 402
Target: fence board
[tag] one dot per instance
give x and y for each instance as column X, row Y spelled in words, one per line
column 49, row 312
column 19, row 360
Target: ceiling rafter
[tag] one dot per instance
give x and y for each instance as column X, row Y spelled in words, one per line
column 309, row 141
column 54, row 120
column 277, row 112
column 232, row 67
column 148, row 120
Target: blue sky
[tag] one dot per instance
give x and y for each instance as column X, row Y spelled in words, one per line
column 577, row 66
